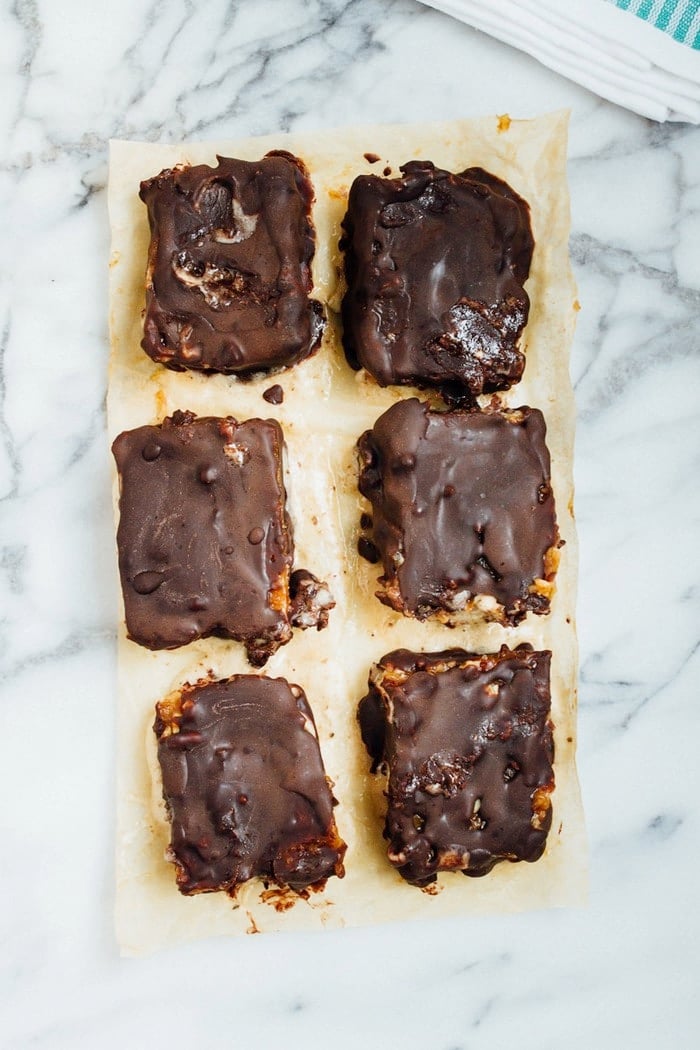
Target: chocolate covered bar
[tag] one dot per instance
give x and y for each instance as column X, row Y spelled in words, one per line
column 245, row 787
column 228, row 278
column 435, row 265
column 205, row 543
column 466, row 744
column 462, row 511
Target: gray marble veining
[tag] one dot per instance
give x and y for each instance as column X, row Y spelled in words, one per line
column 625, row 971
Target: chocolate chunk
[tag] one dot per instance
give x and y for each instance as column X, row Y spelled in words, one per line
column 372, row 158
column 435, row 265
column 245, row 788
column 228, row 279
column 467, row 744
column 462, row 510
column 310, row 601
column 205, row 544
column 274, row 394
column 367, row 550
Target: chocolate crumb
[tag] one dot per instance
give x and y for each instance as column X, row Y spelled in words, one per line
column 274, row 395
column 367, row 550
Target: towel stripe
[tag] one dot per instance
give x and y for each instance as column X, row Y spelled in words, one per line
column 693, row 34
column 679, row 18
column 665, row 15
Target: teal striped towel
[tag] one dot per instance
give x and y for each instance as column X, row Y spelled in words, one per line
column 641, row 54
column 679, row 18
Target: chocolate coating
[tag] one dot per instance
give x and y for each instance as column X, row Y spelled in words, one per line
column 205, row 544
column 245, row 788
column 435, row 265
column 467, row 744
column 228, row 279
column 462, row 508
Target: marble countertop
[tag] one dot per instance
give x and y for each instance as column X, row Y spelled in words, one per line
column 619, row 973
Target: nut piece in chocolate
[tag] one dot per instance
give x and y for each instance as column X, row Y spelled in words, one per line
column 244, row 786
column 228, row 278
column 205, row 543
column 463, row 515
column 466, row 743
column 435, row 265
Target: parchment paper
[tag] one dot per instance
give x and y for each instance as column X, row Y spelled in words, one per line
column 326, row 407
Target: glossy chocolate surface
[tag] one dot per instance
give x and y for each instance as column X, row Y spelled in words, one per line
column 205, row 544
column 462, row 507
column 245, row 787
column 467, row 745
column 435, row 264
column 228, row 280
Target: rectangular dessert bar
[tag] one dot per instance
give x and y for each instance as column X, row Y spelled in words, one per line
column 229, row 266
column 245, row 787
column 205, row 543
column 435, row 265
column 463, row 511
column 467, row 746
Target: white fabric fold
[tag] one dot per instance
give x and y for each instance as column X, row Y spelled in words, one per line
column 610, row 51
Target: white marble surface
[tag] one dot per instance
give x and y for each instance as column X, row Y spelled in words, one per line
column 623, row 973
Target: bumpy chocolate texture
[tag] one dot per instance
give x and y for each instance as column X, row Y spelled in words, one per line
column 467, row 744
column 463, row 512
column 244, row 785
column 205, row 544
column 435, row 265
column 228, row 279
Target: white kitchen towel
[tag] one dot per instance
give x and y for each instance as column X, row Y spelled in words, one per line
column 641, row 54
